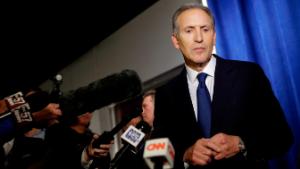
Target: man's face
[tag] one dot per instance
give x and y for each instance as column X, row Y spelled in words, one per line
column 195, row 38
column 85, row 119
column 148, row 109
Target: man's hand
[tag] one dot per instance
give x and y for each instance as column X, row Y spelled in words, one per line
column 47, row 115
column 227, row 145
column 218, row 147
column 201, row 153
column 101, row 151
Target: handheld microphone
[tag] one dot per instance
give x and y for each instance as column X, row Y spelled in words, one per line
column 17, row 119
column 17, row 103
column 14, row 100
column 11, row 102
column 107, row 136
column 18, row 114
column 133, row 136
column 114, row 88
column 159, row 153
column 134, row 139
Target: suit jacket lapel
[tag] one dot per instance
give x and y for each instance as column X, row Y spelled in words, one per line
column 225, row 76
column 184, row 96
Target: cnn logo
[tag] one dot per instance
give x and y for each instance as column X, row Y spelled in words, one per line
column 156, row 146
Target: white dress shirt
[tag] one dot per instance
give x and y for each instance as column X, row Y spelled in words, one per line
column 209, row 81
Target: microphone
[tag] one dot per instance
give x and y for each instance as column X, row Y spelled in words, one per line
column 15, row 120
column 134, row 138
column 111, row 89
column 159, row 153
column 17, row 103
column 14, row 100
column 17, row 116
column 10, row 102
column 107, row 136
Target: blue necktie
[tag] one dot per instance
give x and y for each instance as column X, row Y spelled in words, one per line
column 204, row 105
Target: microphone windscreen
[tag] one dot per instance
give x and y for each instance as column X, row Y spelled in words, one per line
column 111, row 89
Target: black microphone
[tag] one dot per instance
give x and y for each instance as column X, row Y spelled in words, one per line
column 136, row 110
column 134, row 138
column 107, row 136
column 111, row 89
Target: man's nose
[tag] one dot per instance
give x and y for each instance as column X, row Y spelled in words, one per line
column 198, row 36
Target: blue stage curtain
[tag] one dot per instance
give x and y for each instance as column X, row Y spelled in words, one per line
column 266, row 32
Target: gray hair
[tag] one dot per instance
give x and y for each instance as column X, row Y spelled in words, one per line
column 186, row 7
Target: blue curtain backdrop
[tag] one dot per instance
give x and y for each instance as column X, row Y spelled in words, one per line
column 266, row 32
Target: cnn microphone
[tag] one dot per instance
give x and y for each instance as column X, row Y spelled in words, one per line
column 133, row 138
column 159, row 153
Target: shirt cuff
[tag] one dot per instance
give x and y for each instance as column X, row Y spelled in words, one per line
column 85, row 161
column 242, row 147
column 186, row 165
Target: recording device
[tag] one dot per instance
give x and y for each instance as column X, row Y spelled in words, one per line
column 159, row 153
column 111, row 89
column 134, row 138
column 114, row 88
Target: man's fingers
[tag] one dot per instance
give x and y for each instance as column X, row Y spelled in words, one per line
column 214, row 147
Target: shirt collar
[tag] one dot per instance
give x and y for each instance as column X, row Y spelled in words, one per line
column 209, row 69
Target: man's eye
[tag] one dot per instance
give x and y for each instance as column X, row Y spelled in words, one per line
column 188, row 30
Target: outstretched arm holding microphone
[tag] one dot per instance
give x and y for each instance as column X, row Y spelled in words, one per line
column 19, row 113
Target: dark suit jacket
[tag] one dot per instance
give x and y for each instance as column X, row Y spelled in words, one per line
column 243, row 105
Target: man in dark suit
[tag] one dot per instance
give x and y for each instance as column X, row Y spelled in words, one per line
column 246, row 125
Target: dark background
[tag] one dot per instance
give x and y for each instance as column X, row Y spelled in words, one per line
column 38, row 40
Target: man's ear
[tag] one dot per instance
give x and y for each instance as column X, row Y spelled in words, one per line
column 175, row 41
column 215, row 38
